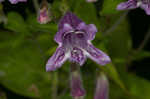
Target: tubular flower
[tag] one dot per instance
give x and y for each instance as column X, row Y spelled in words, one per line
column 77, row 89
column 74, row 39
column 102, row 87
column 132, row 4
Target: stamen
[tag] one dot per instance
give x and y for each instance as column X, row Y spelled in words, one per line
column 77, row 32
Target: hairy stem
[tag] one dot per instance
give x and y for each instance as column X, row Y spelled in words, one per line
column 111, row 29
column 144, row 42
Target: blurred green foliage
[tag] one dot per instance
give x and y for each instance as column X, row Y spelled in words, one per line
column 25, row 46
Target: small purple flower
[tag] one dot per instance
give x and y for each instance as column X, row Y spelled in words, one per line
column 132, row 4
column 16, row 1
column 102, row 87
column 74, row 39
column 77, row 89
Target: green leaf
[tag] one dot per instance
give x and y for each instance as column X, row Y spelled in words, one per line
column 113, row 74
column 23, row 68
column 138, row 87
column 119, row 40
column 109, row 7
column 115, row 28
column 81, row 11
column 34, row 26
column 16, row 23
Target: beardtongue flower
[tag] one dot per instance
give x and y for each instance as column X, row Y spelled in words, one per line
column 16, row 1
column 74, row 39
column 102, row 87
column 132, row 4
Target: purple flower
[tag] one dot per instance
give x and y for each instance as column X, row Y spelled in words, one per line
column 132, row 4
column 74, row 39
column 77, row 89
column 102, row 89
column 16, row 1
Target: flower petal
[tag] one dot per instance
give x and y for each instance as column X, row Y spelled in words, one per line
column 131, row 4
column 16, row 1
column 56, row 60
column 89, row 29
column 59, row 34
column 77, row 56
column 91, row 0
column 97, row 55
column 69, row 18
column 146, row 7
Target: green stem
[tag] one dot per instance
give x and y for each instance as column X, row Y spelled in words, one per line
column 36, row 5
column 144, row 42
column 141, row 46
column 55, row 85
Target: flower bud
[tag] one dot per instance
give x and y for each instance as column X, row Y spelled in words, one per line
column 102, row 87
column 77, row 89
column 44, row 14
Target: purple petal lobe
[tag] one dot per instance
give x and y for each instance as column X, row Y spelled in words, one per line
column 77, row 89
column 89, row 29
column 131, row 4
column 77, row 56
column 69, row 18
column 65, row 29
column 146, row 7
column 97, row 55
column 56, row 60
column 91, row 0
column 16, row 1
column 102, row 88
